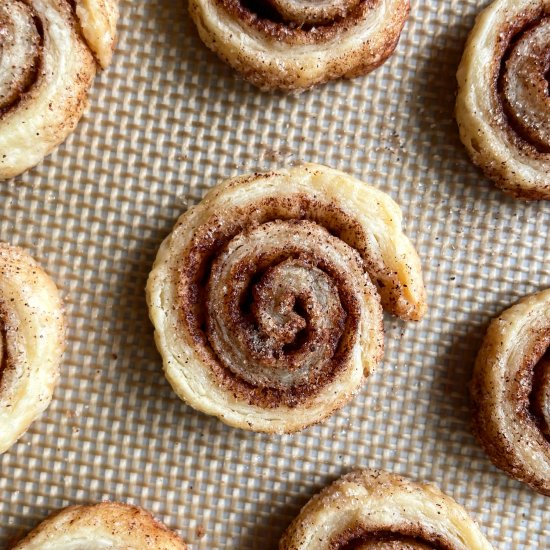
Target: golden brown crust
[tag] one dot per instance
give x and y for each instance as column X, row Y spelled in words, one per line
column 376, row 510
column 511, row 389
column 46, row 70
column 291, row 46
column 104, row 526
column 503, row 106
column 264, row 310
column 98, row 20
column 32, row 328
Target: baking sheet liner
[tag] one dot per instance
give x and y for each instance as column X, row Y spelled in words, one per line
column 166, row 122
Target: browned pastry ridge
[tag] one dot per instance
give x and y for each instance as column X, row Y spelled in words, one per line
column 104, row 526
column 503, row 103
column 511, row 392
column 49, row 55
column 376, row 510
column 267, row 296
column 292, row 45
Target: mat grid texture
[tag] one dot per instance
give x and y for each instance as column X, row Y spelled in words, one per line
column 166, row 122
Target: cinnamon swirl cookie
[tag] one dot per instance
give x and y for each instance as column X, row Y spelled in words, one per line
column 511, row 392
column 292, row 45
column 32, row 340
column 376, row 510
column 503, row 104
column 266, row 296
column 104, row 526
column 50, row 53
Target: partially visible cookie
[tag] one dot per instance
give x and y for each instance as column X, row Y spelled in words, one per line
column 292, row 45
column 503, row 105
column 377, row 510
column 32, row 341
column 511, row 391
column 51, row 51
column 104, row 526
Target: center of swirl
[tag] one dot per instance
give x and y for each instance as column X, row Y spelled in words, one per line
column 278, row 304
column 524, row 85
column 20, row 51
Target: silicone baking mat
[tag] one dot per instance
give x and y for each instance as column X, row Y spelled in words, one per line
column 166, row 122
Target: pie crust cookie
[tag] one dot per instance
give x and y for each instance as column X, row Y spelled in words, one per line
column 503, row 103
column 32, row 341
column 51, row 51
column 267, row 296
column 292, row 45
column 104, row 526
column 511, row 392
column 376, row 510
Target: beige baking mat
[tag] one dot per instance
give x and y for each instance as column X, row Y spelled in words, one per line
column 166, row 122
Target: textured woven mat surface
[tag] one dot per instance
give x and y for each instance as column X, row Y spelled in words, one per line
column 166, row 122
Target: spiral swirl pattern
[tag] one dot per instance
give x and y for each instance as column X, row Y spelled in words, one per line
column 48, row 60
column 511, row 392
column 32, row 340
column 503, row 104
column 104, row 526
column 292, row 45
column 262, row 299
column 376, row 510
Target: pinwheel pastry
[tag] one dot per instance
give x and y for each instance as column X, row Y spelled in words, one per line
column 51, row 50
column 376, row 510
column 104, row 526
column 266, row 297
column 511, row 392
column 503, row 105
column 292, row 45
column 32, row 341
